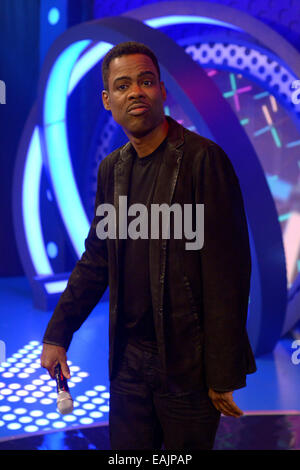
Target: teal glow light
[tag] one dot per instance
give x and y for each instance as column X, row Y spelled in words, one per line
column 184, row 19
column 55, row 287
column 87, row 62
column 53, row 16
column 58, row 82
column 60, row 165
column 280, row 189
column 295, row 143
column 52, row 249
column 31, row 206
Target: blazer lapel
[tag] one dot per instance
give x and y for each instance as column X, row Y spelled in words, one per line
column 122, row 171
column 163, row 194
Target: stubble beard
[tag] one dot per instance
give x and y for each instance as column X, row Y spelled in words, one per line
column 147, row 125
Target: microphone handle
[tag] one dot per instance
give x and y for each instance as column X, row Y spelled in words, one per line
column 61, row 381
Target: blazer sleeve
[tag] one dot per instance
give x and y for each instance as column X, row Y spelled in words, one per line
column 86, row 285
column 225, row 260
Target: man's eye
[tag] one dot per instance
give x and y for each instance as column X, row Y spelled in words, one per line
column 147, row 82
column 122, row 87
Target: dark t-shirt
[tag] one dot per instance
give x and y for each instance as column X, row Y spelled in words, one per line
column 137, row 313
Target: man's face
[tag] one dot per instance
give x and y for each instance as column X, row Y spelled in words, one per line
column 135, row 96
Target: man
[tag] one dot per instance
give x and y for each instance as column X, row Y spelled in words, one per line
column 178, row 345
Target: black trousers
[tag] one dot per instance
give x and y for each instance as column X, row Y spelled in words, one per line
column 141, row 416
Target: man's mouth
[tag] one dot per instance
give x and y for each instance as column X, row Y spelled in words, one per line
column 138, row 109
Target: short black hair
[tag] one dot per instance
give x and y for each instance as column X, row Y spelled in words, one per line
column 126, row 48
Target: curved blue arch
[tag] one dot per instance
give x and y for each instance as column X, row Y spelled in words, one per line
column 200, row 98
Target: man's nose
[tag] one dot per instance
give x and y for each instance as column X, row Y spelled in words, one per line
column 135, row 91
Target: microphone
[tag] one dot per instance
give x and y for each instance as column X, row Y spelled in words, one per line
column 64, row 399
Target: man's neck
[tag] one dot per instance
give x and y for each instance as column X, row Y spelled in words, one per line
column 148, row 143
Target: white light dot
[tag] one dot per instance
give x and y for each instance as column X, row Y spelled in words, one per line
column 36, row 413
column 83, row 374
column 38, row 394
column 14, row 386
column 74, row 368
column 91, row 393
column 46, row 377
column 22, row 351
column 99, row 388
column 20, row 365
column 11, row 359
column 14, row 426
column 23, row 375
column 46, row 388
column 52, row 395
column 32, row 356
column 28, row 347
column 76, row 379
column 38, row 382
column 34, row 343
column 7, row 375
column 105, row 395
column 22, row 393
column 20, row 411
column 17, row 355
column 29, row 370
column 59, row 424
column 29, row 400
column 46, row 401
column 42, row 422
column 52, row 415
column 6, row 391
column 79, row 412
column 2, row 397
column 69, row 418
column 71, row 384
column 25, row 419
column 86, row 420
column 104, row 408
column 31, row 428
column 13, row 399
column 30, row 387
column 98, row 401
column 34, row 365
column 2, row 369
column 82, row 398
column 26, row 360
column 2, row 423
column 9, row 417
column 5, row 364
column 88, row 406
column 2, row 384
column 5, row 409
column 96, row 414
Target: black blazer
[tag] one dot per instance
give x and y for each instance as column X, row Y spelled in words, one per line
column 199, row 297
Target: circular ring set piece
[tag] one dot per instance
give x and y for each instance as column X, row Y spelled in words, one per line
column 206, row 107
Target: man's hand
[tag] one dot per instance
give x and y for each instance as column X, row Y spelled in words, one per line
column 51, row 356
column 223, row 401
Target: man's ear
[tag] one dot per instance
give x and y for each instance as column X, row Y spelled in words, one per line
column 105, row 100
column 163, row 90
